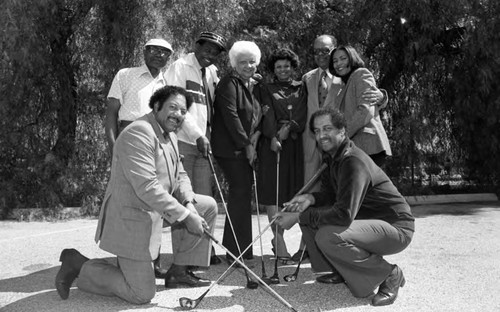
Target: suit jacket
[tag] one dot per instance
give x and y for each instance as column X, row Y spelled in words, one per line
column 364, row 126
column 312, row 155
column 147, row 183
column 237, row 115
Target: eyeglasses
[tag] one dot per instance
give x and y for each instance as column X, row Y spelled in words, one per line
column 158, row 51
column 324, row 51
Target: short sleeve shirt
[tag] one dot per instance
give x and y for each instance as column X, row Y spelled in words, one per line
column 133, row 87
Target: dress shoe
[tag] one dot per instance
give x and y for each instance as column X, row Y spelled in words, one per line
column 71, row 264
column 214, row 259
column 296, row 256
column 331, row 278
column 159, row 271
column 388, row 290
column 180, row 277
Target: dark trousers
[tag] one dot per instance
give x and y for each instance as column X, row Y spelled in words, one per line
column 356, row 251
column 238, row 174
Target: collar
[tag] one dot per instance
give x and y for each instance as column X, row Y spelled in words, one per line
column 160, row 133
column 327, row 71
column 194, row 61
column 343, row 149
column 144, row 70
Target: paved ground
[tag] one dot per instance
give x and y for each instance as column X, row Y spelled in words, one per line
column 452, row 265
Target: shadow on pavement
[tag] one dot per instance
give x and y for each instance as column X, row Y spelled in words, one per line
column 453, row 209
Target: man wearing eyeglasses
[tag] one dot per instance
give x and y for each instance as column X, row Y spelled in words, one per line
column 132, row 88
column 316, row 81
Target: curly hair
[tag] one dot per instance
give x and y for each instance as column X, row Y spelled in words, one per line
column 283, row 54
column 164, row 93
column 243, row 47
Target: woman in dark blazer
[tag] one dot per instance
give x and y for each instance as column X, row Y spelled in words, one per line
column 364, row 126
column 235, row 132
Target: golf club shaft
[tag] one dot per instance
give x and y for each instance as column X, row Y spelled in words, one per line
column 302, row 190
column 264, row 275
column 288, row 305
column 275, row 275
column 225, row 210
column 296, row 273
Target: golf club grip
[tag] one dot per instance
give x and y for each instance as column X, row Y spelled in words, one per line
column 312, row 180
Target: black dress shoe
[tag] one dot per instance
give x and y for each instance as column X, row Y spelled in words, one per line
column 159, row 271
column 296, row 256
column 331, row 278
column 180, row 277
column 214, row 259
column 388, row 290
column 71, row 264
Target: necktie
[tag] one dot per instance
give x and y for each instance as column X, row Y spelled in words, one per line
column 208, row 98
column 322, row 89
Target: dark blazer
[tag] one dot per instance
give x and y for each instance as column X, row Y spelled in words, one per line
column 237, row 114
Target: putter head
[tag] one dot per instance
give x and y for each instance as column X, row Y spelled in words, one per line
column 290, row 277
column 187, row 304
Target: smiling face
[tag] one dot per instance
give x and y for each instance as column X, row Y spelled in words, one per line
column 283, row 70
column 206, row 53
column 322, row 46
column 172, row 113
column 156, row 57
column 341, row 63
column 246, row 65
column 328, row 137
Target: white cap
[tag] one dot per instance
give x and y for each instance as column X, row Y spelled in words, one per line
column 159, row 43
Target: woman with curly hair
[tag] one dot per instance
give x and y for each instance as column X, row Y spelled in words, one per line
column 282, row 128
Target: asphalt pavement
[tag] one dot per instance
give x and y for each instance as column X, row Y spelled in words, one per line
column 451, row 265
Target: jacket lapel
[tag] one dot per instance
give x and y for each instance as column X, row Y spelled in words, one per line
column 171, row 160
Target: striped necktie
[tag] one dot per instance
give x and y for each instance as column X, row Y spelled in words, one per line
column 322, row 88
column 208, row 98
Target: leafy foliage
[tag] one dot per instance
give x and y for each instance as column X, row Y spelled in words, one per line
column 439, row 61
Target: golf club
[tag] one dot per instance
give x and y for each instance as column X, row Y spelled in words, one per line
column 302, row 190
column 250, row 284
column 187, row 303
column 293, row 277
column 264, row 275
column 275, row 279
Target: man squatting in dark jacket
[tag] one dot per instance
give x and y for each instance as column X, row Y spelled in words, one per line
column 356, row 218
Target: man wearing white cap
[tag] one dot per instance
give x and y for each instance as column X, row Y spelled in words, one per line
column 132, row 88
column 128, row 97
column 197, row 73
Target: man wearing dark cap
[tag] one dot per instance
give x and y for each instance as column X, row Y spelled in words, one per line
column 132, row 88
column 128, row 97
column 197, row 73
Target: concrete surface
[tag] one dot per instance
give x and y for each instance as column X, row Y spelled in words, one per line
column 452, row 265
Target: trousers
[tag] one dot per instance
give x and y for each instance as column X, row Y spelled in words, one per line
column 197, row 169
column 356, row 251
column 133, row 280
